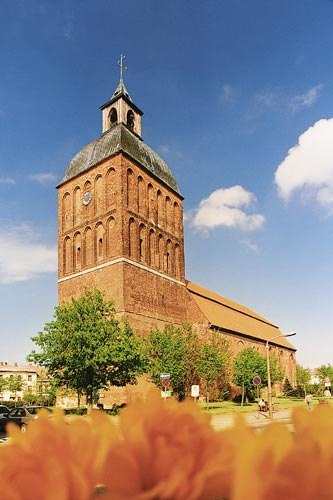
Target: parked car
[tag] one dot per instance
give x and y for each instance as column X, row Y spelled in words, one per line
column 20, row 416
column 4, row 409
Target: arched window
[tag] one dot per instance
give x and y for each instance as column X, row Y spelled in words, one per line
column 88, row 248
column 142, row 243
column 178, row 219
column 113, row 117
column 160, row 209
column 152, row 248
column 99, row 242
column 177, row 261
column 132, row 239
column 110, row 195
column 99, row 195
column 168, row 258
column 110, row 242
column 161, row 253
column 77, row 206
column 167, row 212
column 141, row 196
column 130, row 119
column 131, row 191
column 77, row 252
column 151, row 202
column 67, row 256
column 66, row 212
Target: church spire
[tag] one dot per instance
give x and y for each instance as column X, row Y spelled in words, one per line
column 121, row 89
column 120, row 108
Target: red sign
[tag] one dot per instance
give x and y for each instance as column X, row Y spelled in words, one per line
column 165, row 382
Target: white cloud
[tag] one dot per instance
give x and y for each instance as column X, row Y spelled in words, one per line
column 22, row 257
column 164, row 148
column 250, row 245
column 7, row 180
column 308, row 167
column 227, row 94
column 307, row 99
column 226, row 207
column 44, row 177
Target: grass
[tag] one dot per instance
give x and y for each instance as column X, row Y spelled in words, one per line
column 231, row 407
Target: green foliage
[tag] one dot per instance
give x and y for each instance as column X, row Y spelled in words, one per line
column 85, row 348
column 287, row 388
column 15, row 383
column 303, row 375
column 179, row 352
column 212, row 363
column 3, row 384
column 174, row 351
column 248, row 364
column 325, row 371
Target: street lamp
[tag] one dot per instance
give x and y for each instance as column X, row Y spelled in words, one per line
column 269, row 384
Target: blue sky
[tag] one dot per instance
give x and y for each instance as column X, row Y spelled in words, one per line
column 238, row 100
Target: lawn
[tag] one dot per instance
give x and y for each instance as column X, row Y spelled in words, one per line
column 230, row 407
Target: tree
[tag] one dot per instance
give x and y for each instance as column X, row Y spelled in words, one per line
column 174, row 351
column 303, row 378
column 85, row 348
column 3, row 384
column 15, row 384
column 213, row 362
column 325, row 371
column 248, row 364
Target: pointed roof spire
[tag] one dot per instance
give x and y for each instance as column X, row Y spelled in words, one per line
column 121, row 88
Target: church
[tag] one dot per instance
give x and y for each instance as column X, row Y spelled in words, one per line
column 120, row 230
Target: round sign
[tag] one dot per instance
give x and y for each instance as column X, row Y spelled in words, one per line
column 256, row 380
column 165, row 382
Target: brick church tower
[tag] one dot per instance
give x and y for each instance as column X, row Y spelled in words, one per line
column 120, row 222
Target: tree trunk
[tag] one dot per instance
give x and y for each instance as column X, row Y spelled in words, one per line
column 243, row 395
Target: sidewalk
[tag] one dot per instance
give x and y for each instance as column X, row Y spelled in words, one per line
column 255, row 419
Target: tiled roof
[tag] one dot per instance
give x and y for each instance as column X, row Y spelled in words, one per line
column 5, row 368
column 228, row 315
column 117, row 139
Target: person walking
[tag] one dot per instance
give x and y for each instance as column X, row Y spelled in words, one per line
column 308, row 400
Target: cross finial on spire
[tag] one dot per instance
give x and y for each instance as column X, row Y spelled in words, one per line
column 122, row 65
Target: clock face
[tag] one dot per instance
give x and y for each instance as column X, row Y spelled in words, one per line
column 87, row 198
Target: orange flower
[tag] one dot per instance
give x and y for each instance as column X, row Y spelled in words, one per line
column 54, row 460
column 168, row 451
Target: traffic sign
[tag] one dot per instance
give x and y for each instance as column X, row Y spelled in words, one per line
column 165, row 375
column 166, row 382
column 256, row 380
column 195, row 391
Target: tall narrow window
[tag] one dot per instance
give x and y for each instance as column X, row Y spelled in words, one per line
column 99, row 195
column 132, row 239
column 160, row 209
column 67, row 259
column 130, row 119
column 88, row 252
column 152, row 248
column 141, row 196
column 66, row 212
column 111, row 242
column 99, row 241
column 168, row 258
column 131, row 191
column 77, row 251
column 110, row 192
column 142, row 243
column 113, row 117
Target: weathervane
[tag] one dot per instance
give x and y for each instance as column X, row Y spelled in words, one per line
column 122, row 66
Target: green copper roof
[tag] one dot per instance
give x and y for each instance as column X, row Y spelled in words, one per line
column 117, row 139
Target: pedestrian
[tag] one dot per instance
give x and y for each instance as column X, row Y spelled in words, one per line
column 308, row 400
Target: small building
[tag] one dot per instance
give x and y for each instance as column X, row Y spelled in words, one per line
column 29, row 375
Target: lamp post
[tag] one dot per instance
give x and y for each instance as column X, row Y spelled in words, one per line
column 269, row 384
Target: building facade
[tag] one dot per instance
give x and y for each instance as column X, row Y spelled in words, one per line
column 120, row 230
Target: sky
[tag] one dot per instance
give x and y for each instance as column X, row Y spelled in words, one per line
column 237, row 99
